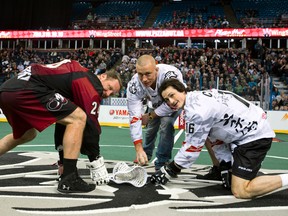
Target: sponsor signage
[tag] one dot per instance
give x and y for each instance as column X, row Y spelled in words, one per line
column 118, row 116
column 171, row 33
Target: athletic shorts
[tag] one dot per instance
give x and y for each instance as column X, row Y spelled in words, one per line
column 249, row 157
column 27, row 109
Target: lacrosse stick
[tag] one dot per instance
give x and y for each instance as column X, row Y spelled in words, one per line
column 188, row 179
column 136, row 175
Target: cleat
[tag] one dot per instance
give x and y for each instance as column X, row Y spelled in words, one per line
column 158, row 167
column 213, row 174
column 225, row 165
column 98, row 171
column 73, row 183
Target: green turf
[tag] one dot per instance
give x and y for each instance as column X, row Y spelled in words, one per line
column 115, row 144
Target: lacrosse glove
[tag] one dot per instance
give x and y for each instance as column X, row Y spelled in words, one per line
column 98, row 171
column 165, row 173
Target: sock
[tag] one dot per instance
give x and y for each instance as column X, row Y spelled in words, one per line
column 61, row 156
column 284, row 178
column 69, row 166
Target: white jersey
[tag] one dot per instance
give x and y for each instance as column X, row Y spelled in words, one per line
column 137, row 92
column 223, row 116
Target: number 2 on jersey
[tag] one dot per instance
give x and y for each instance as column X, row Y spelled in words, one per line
column 94, row 110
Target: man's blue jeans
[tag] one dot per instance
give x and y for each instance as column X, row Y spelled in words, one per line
column 165, row 126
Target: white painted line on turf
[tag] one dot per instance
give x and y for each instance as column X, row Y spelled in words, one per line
column 10, row 166
column 109, row 210
column 178, row 135
column 19, row 188
column 276, row 157
column 246, row 209
column 219, row 197
column 21, row 175
column 55, row 198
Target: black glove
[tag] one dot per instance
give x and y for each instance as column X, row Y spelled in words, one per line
column 165, row 173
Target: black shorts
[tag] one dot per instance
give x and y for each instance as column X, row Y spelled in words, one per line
column 249, row 157
column 90, row 143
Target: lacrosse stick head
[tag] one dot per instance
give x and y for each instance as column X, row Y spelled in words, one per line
column 135, row 175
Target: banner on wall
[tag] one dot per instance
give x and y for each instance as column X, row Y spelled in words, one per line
column 147, row 33
column 278, row 121
column 113, row 116
column 118, row 116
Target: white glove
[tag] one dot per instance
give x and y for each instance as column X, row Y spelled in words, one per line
column 98, row 171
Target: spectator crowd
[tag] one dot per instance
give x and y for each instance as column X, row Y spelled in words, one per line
column 226, row 69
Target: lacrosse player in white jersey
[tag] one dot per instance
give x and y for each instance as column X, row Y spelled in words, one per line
column 160, row 117
column 223, row 116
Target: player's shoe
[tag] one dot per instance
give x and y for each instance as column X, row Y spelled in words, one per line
column 73, row 183
column 215, row 172
column 98, row 171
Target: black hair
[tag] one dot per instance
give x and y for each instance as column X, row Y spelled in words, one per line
column 174, row 83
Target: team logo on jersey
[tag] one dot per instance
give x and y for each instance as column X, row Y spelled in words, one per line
column 56, row 103
column 133, row 88
column 170, row 74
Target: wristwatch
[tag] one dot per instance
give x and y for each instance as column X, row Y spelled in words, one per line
column 150, row 116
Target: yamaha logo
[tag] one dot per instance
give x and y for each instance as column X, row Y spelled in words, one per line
column 119, row 112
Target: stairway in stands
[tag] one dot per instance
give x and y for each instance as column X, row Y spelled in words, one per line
column 152, row 16
column 229, row 13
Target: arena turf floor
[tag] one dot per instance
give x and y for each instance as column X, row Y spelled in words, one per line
column 28, row 185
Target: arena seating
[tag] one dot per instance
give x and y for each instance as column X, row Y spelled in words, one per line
column 263, row 12
column 120, row 9
column 192, row 9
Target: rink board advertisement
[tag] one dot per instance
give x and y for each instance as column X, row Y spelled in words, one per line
column 118, row 116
